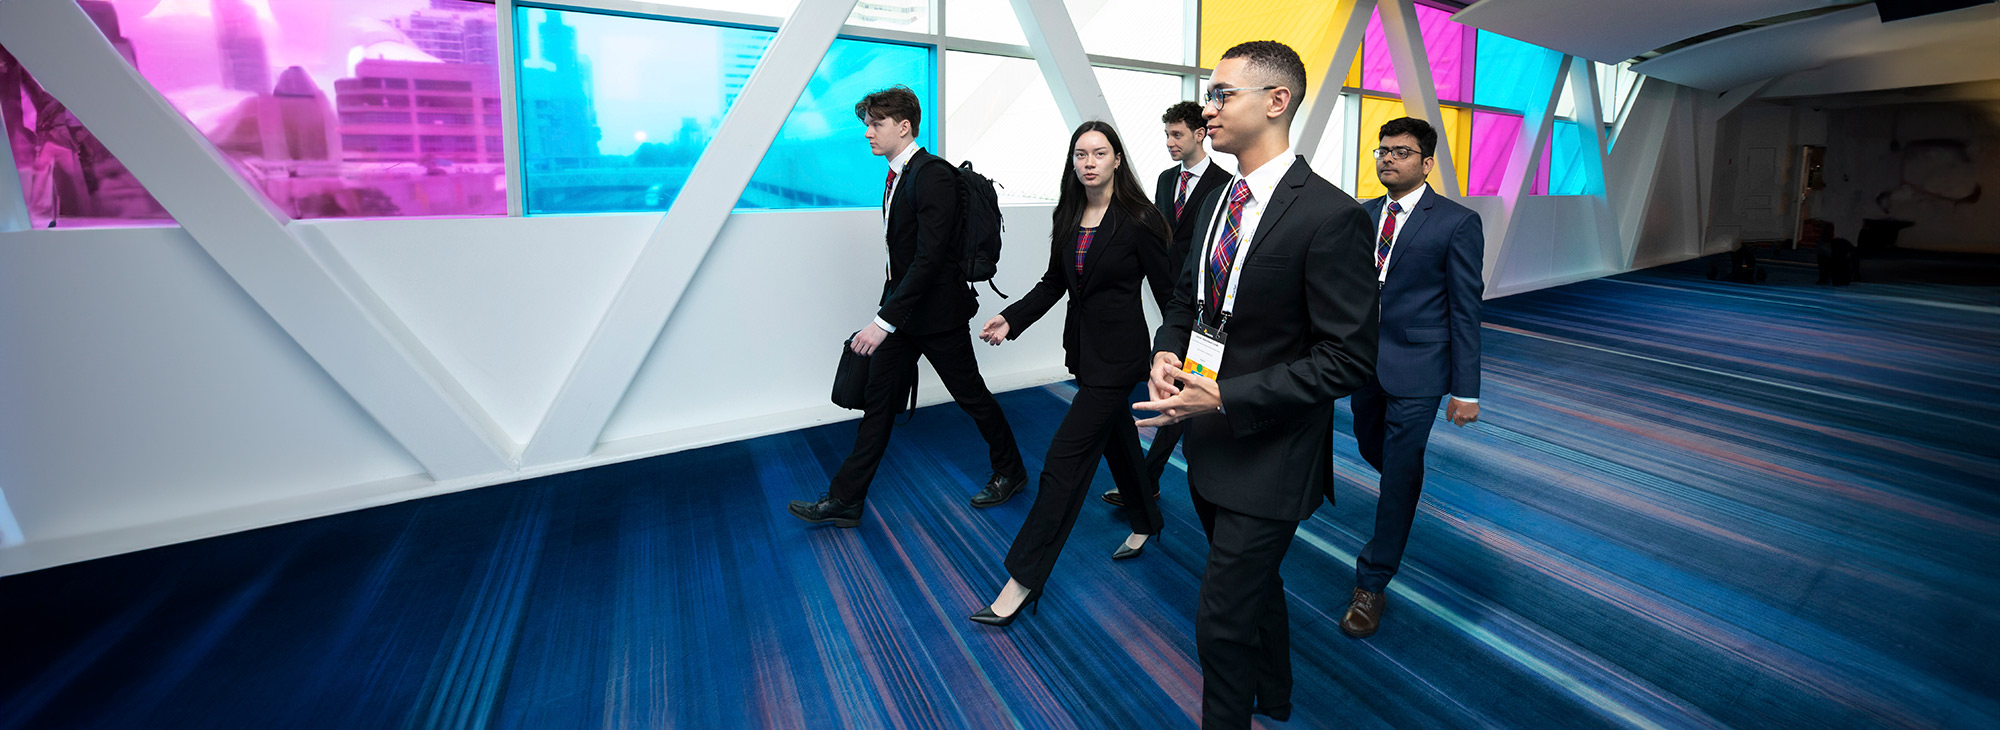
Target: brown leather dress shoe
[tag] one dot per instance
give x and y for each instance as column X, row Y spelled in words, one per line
column 1364, row 613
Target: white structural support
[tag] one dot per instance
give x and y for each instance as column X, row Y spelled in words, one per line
column 1058, row 49
column 1413, row 72
column 1582, row 78
column 248, row 237
column 1353, row 17
column 510, row 111
column 1519, row 181
column 678, row 246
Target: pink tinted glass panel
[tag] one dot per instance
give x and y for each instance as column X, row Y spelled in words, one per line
column 1446, row 45
column 67, row 175
column 357, row 108
column 1493, row 138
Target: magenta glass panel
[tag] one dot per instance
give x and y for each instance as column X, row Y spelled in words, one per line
column 334, row 109
column 69, row 178
column 1446, row 44
column 1493, row 138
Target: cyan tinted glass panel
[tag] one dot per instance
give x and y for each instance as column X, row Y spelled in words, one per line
column 1512, row 74
column 820, row 158
column 615, row 110
column 1568, row 175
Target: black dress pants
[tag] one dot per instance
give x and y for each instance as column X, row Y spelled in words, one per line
column 1157, row 457
column 1099, row 423
column 1241, row 627
column 1392, row 432
column 891, row 370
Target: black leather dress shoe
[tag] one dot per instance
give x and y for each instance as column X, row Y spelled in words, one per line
column 1112, row 497
column 827, row 509
column 999, row 489
column 1281, row 713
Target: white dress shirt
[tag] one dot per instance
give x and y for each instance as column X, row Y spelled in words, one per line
column 1263, row 183
column 897, row 165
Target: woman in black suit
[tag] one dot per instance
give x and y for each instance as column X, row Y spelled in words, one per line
column 1106, row 237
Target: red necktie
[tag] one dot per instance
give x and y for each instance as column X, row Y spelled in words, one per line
column 1225, row 245
column 1388, row 235
column 887, row 187
column 1180, row 198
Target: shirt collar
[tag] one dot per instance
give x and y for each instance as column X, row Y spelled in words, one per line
column 1200, row 168
column 1266, row 178
column 902, row 159
column 1409, row 202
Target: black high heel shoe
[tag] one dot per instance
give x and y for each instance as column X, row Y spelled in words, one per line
column 988, row 617
column 1125, row 553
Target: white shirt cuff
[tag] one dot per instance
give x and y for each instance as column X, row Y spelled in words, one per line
column 886, row 327
column 1468, row 400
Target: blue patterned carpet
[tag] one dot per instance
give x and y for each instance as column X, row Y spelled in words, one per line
column 1689, row 504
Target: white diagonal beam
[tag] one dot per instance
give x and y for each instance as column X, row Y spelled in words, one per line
column 1353, row 16
column 1059, row 52
column 674, row 253
column 1590, row 118
column 248, row 237
column 1519, row 180
column 1413, row 74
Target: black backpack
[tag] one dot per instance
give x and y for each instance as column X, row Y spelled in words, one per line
column 979, row 226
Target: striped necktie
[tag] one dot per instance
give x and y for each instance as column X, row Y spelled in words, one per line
column 1180, row 197
column 1225, row 246
column 1388, row 234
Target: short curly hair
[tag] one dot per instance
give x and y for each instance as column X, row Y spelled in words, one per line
column 1186, row 112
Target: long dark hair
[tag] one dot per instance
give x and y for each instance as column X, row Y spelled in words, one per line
column 1126, row 196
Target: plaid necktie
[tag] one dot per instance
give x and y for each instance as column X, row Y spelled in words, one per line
column 887, row 187
column 1388, row 235
column 1225, row 246
column 1180, row 197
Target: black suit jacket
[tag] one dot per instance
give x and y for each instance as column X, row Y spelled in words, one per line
column 1104, row 334
column 1163, row 196
column 1303, row 336
column 926, row 291
column 1431, row 301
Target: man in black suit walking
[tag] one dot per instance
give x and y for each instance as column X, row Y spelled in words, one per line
column 1429, row 255
column 1178, row 191
column 925, row 309
column 1276, row 320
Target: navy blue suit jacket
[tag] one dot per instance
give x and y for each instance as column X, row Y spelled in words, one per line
column 1430, row 302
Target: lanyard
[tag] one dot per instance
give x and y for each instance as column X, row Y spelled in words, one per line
column 1235, row 267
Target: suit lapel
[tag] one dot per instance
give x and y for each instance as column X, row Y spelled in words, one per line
column 1407, row 239
column 902, row 201
column 1105, row 228
column 1281, row 199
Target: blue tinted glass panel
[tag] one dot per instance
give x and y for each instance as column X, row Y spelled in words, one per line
column 820, row 158
column 1512, row 74
column 616, row 110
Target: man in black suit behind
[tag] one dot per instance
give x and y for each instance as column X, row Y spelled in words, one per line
column 924, row 311
column 1178, row 192
column 1281, row 268
column 1429, row 255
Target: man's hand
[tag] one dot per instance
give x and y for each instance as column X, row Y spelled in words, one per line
column 1160, row 382
column 995, row 331
column 868, row 339
column 1197, row 395
column 1460, row 412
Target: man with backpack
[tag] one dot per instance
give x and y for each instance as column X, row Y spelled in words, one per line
column 925, row 310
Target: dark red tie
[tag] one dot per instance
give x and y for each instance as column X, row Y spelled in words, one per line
column 1180, row 198
column 888, row 186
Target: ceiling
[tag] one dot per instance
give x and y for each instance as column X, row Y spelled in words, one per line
column 1805, row 47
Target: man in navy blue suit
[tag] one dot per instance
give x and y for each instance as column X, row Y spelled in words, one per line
column 1428, row 257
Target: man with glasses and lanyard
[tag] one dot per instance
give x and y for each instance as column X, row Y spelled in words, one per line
column 1429, row 256
column 1281, row 282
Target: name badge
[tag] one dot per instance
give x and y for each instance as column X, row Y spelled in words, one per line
column 1204, row 355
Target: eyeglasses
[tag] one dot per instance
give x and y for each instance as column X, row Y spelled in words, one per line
column 1220, row 95
column 1401, row 153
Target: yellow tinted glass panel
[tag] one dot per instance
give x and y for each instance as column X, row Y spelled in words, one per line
column 1306, row 25
column 1377, row 111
